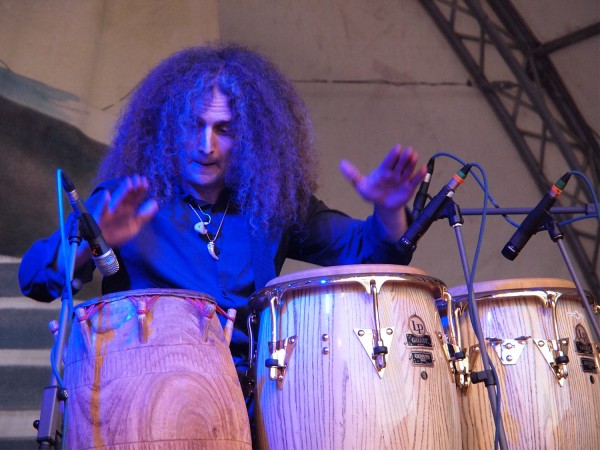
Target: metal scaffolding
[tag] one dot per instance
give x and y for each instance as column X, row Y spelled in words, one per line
column 523, row 81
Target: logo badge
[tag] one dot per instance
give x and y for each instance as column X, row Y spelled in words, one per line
column 418, row 336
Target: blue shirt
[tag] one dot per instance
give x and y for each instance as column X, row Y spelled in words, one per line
column 169, row 253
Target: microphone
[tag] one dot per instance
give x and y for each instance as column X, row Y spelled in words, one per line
column 533, row 221
column 408, row 242
column 103, row 256
column 421, row 196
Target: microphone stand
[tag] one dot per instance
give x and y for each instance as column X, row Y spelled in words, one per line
column 588, row 209
column 487, row 375
column 557, row 236
column 51, row 420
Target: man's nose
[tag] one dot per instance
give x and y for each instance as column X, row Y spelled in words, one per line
column 207, row 140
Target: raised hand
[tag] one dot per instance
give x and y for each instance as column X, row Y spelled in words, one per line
column 392, row 184
column 389, row 187
column 122, row 214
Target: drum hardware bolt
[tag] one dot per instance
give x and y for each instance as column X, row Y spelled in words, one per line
column 271, row 362
column 562, row 359
column 36, row 424
column 326, row 350
column 325, row 337
column 509, row 346
column 424, row 375
column 292, row 340
column 279, row 377
column 62, row 394
column 541, row 343
column 389, row 331
column 361, row 333
column 509, row 358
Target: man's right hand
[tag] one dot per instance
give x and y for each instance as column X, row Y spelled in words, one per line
column 123, row 214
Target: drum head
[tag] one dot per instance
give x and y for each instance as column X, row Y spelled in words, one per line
column 260, row 299
column 485, row 288
column 162, row 292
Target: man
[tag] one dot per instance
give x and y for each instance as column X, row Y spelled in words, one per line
column 208, row 186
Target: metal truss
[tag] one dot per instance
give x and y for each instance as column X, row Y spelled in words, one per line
column 531, row 101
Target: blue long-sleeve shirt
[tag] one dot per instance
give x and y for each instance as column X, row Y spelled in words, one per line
column 169, row 253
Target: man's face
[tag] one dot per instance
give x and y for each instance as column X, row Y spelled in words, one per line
column 206, row 151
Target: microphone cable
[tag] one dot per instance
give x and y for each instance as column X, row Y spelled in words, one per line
column 66, row 264
column 593, row 196
column 470, row 277
column 69, row 298
column 488, row 196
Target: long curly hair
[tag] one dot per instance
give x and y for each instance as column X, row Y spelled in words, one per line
column 272, row 170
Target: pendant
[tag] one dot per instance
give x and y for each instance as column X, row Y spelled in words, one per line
column 212, row 250
column 200, row 227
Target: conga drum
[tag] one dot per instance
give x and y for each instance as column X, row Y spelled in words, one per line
column 151, row 369
column 539, row 340
column 348, row 359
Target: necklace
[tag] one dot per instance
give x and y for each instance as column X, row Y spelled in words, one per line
column 200, row 227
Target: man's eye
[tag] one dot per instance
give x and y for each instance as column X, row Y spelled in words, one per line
column 225, row 129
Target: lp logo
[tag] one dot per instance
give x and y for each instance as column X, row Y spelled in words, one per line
column 581, row 334
column 417, row 325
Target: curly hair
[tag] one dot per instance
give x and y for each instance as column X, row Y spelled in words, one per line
column 271, row 170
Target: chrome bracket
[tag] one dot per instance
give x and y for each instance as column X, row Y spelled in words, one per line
column 369, row 341
column 281, row 353
column 509, row 350
column 555, row 353
column 376, row 342
column 460, row 361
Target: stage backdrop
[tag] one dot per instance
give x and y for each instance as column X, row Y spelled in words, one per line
column 373, row 73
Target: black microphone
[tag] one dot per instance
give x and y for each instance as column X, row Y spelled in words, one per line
column 421, row 196
column 534, row 219
column 103, row 256
column 408, row 242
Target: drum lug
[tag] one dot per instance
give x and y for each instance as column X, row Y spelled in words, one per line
column 555, row 354
column 84, row 325
column 141, row 309
column 377, row 353
column 460, row 361
column 377, row 343
column 53, row 327
column 209, row 310
column 281, row 353
column 228, row 328
column 509, row 350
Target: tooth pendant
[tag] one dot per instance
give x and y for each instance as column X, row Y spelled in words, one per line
column 211, row 250
column 200, row 227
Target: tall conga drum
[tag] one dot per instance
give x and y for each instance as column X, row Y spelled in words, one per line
column 540, row 341
column 151, row 369
column 348, row 359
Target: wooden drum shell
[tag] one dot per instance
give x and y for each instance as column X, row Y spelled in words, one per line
column 332, row 396
column 176, row 390
column 537, row 412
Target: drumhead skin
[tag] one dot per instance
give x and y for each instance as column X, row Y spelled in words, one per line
column 152, row 369
column 520, row 318
column 332, row 396
column 139, row 293
column 495, row 286
column 260, row 299
column 355, row 269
